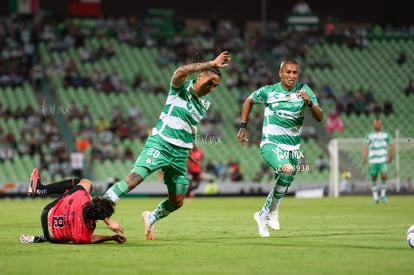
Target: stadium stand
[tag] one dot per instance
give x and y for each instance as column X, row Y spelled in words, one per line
column 72, row 79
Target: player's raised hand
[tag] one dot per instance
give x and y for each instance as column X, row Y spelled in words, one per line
column 220, row 60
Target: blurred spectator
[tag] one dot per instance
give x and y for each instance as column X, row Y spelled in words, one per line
column 95, row 154
column 211, row 188
column 369, row 96
column 123, row 131
column 36, row 76
column 35, row 146
column 346, row 185
column 360, row 103
column 321, row 164
column 350, row 103
column 211, row 168
column 54, row 168
column 328, row 91
column 377, row 108
column 236, row 173
column 377, row 31
column 85, row 55
column 55, row 144
column 107, row 152
column 409, row 89
column 133, row 111
column 6, row 153
column 334, row 122
column 117, row 154
column 206, row 128
column 10, row 140
column 222, row 171
column 137, row 81
column 82, row 143
column 388, row 107
column 23, row 146
column 402, row 57
column 128, row 154
column 74, row 110
column 102, row 124
column 329, row 27
column 76, row 163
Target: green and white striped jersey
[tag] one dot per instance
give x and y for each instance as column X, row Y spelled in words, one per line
column 182, row 112
column 377, row 143
column 283, row 114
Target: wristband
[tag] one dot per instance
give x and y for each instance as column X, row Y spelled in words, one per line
column 310, row 104
column 243, row 125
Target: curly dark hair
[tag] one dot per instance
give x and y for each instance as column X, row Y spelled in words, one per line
column 198, row 57
column 99, row 208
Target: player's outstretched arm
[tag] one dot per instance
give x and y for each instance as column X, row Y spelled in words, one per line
column 105, row 238
column 182, row 72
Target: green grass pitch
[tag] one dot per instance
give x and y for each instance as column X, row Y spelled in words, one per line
column 347, row 235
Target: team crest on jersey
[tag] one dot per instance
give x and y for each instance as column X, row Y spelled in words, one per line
column 206, row 103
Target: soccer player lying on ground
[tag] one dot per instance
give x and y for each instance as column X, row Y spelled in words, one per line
column 72, row 217
column 172, row 138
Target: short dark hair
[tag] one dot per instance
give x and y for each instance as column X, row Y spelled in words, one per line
column 288, row 61
column 198, row 57
column 99, row 208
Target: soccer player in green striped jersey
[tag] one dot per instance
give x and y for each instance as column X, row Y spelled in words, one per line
column 172, row 138
column 285, row 104
column 376, row 145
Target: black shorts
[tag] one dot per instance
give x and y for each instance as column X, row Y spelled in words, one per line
column 43, row 217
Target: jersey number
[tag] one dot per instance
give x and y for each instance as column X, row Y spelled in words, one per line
column 153, row 152
column 58, row 222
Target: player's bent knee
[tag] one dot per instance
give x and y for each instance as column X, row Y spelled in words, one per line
column 133, row 179
column 286, row 169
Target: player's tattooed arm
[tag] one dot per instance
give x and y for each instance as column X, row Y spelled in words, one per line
column 182, row 72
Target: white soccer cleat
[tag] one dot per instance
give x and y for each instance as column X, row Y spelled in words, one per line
column 26, row 239
column 149, row 230
column 273, row 220
column 261, row 223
